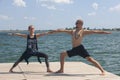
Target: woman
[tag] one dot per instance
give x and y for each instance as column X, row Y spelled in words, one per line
column 31, row 48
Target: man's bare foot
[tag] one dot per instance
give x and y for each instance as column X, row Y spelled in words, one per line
column 59, row 71
column 103, row 73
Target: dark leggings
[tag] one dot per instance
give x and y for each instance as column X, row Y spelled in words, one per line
column 27, row 55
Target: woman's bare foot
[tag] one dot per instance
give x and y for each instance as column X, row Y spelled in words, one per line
column 10, row 71
column 49, row 70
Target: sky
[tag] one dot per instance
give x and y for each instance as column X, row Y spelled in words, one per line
column 58, row 14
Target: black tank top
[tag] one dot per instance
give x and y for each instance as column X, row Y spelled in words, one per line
column 32, row 43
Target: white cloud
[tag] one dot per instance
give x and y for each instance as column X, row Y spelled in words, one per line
column 48, row 6
column 29, row 18
column 115, row 8
column 44, row 5
column 51, row 7
column 63, row 1
column 56, row 1
column 4, row 17
column 95, row 6
column 19, row 3
column 92, row 14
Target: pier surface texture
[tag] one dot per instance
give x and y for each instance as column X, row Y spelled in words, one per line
column 37, row 71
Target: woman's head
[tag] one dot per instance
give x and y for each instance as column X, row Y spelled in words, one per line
column 31, row 28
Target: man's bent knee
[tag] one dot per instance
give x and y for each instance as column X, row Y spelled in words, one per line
column 89, row 58
column 63, row 54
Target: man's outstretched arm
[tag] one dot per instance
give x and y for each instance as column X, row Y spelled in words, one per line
column 53, row 32
column 87, row 32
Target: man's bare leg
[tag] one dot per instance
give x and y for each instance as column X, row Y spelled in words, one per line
column 62, row 58
column 96, row 63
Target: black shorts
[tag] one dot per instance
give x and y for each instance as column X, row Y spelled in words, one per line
column 80, row 50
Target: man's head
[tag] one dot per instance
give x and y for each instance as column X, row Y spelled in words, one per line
column 79, row 23
column 31, row 28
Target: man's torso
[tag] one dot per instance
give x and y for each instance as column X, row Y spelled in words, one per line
column 77, row 37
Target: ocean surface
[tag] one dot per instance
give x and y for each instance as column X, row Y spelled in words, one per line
column 105, row 48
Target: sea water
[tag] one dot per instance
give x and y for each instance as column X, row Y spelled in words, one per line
column 105, row 48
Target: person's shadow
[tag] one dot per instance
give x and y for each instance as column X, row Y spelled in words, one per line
column 49, row 74
column 70, row 75
column 25, row 72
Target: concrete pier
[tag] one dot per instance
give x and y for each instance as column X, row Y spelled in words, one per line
column 37, row 71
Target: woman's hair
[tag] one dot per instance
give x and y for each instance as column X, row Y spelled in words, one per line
column 30, row 27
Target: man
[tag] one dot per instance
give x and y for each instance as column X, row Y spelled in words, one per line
column 32, row 48
column 78, row 48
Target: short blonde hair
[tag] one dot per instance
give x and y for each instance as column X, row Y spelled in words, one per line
column 30, row 27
